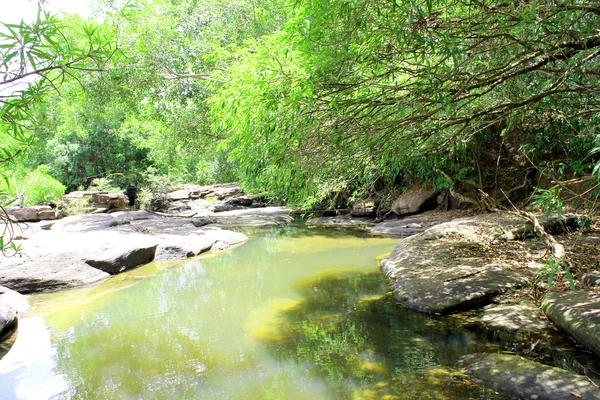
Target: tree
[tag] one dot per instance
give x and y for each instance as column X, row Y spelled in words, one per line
column 418, row 88
column 37, row 58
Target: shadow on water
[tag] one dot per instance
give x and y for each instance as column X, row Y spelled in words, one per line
column 348, row 329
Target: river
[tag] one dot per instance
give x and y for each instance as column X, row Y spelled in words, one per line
column 294, row 313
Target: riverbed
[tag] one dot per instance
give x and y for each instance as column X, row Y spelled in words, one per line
column 294, row 313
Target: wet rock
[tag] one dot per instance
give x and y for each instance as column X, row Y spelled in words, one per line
column 341, row 221
column 523, row 317
column 12, row 305
column 449, row 268
column 577, row 314
column 414, row 200
column 591, row 278
column 515, row 376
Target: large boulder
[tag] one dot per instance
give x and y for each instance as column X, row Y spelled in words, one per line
column 454, row 266
column 414, row 200
column 450, row 267
column 524, row 379
column 577, row 314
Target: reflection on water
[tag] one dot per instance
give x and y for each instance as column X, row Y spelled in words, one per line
column 292, row 314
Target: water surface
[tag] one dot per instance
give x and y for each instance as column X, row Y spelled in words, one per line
column 295, row 313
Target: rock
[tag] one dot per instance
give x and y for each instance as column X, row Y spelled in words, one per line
column 50, row 273
column 120, row 258
column 199, row 222
column 577, row 314
column 414, row 200
column 515, row 376
column 449, row 268
column 258, row 217
column 177, row 247
column 47, row 215
column 225, row 207
column 341, row 221
column 523, row 317
column 409, row 226
column 591, row 278
column 364, row 208
column 32, row 214
column 85, row 223
column 12, row 305
column 551, row 223
column 110, row 200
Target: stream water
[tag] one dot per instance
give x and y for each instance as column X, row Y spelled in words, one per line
column 294, row 313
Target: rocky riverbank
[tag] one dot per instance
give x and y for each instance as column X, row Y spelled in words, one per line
column 444, row 266
column 470, row 262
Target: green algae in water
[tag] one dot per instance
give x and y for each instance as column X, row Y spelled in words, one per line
column 292, row 314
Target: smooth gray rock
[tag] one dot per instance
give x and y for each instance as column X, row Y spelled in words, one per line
column 54, row 272
column 515, row 376
column 577, row 314
column 177, row 247
column 123, row 257
column 448, row 268
column 414, row 200
column 85, row 223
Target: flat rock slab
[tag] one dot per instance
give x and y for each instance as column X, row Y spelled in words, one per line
column 54, row 272
column 257, row 217
column 408, row 226
column 577, row 314
column 177, row 247
column 341, row 221
column 449, row 267
column 515, row 376
column 524, row 317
